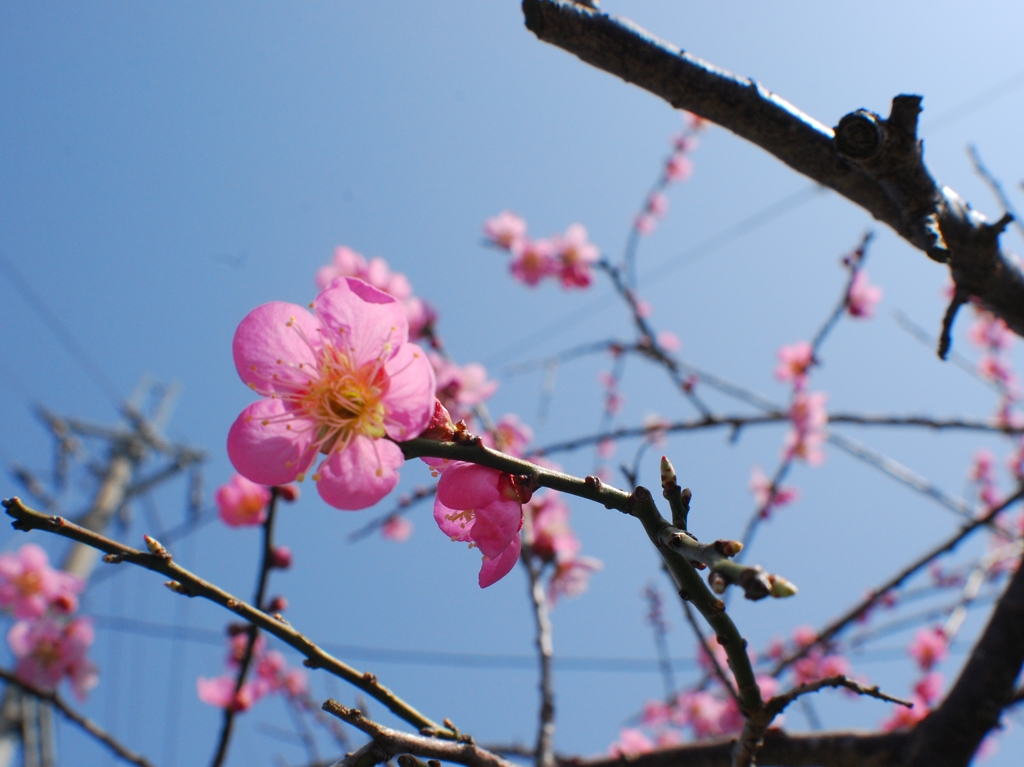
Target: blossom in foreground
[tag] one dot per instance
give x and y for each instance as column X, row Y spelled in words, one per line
column 576, row 257
column 29, row 586
column 47, row 651
column 862, row 296
column 241, row 502
column 794, row 362
column 335, row 382
column 480, row 506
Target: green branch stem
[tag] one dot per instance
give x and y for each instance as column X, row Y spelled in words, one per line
column 191, row 585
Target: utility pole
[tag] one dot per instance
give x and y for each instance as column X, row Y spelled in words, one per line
column 126, row 447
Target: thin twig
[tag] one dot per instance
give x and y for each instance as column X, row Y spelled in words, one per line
column 84, row 723
column 387, row 743
column 187, row 583
column 544, row 751
column 266, row 564
column 829, row 632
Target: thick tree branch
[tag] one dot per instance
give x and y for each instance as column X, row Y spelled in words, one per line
column 950, row 736
column 188, row 584
column 826, row 749
column 875, row 162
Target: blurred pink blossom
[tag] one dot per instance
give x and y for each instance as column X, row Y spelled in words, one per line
column 576, row 257
column 572, row 578
column 533, row 260
column 904, row 718
column 678, row 168
column 460, row 389
column 929, row 647
column 510, row 435
column 764, row 498
column 669, row 341
column 397, row 529
column 929, row 688
column 29, row 586
column 863, row 296
column 794, row 362
column 505, row 230
column 242, row 502
column 631, row 742
column 47, row 651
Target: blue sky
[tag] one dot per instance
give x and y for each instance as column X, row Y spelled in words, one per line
column 168, row 167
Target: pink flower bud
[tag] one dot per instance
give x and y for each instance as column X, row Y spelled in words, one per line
column 277, row 605
column 281, row 558
column 289, row 493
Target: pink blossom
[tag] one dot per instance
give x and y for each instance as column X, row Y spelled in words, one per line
column 929, row 647
column 808, row 415
column 533, row 260
column 606, row 448
column 683, row 142
column 678, row 168
column 819, row 665
column 505, row 230
column 997, row 370
column 241, row 502
column 510, row 436
column 702, row 711
column 572, row 578
column 862, row 297
column 553, row 539
column 904, row 718
column 335, row 382
column 631, row 742
column 481, row 506
column 657, row 204
column 29, row 586
column 764, row 497
column 804, row 636
column 794, row 362
column 47, row 651
column 654, row 428
column 645, row 224
column 281, row 557
column 397, row 529
column 983, row 468
column 669, row 341
column 220, row 692
column 576, row 256
column 460, row 389
column 655, row 713
column 929, row 688
column 347, row 263
column 990, row 332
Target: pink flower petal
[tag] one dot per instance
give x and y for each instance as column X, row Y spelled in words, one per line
column 270, row 452
column 361, row 474
column 468, row 486
column 270, row 344
column 496, row 525
column 409, row 402
column 454, row 523
column 493, row 570
column 366, row 320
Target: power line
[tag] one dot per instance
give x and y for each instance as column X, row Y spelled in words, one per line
column 969, row 106
column 59, row 330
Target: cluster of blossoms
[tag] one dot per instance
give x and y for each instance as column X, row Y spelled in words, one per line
column 420, row 315
column 695, row 714
column 47, row 643
column 554, row 543
column 677, row 168
column 272, row 675
column 570, row 256
column 807, row 409
column 929, row 648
